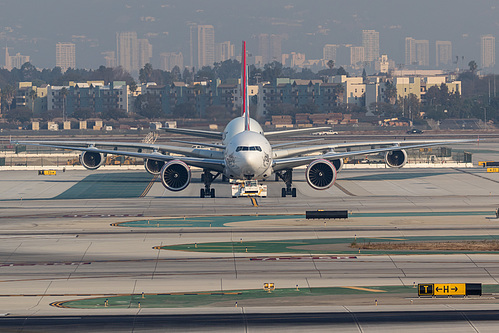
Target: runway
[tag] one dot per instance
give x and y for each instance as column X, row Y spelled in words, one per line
column 59, row 244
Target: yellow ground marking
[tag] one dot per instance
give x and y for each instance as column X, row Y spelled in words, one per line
column 366, row 289
column 148, row 188
column 400, row 239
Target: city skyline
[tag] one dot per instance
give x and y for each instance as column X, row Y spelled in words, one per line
column 302, row 29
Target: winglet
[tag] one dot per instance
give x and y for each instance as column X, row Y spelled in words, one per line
column 244, row 89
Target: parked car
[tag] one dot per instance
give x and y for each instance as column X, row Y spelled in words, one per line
column 415, row 131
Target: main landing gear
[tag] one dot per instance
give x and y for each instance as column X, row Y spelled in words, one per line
column 207, row 178
column 287, row 177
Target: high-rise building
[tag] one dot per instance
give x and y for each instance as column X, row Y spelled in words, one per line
column 410, row 51
column 370, row 42
column 127, row 51
column 8, row 65
column 263, row 48
column 109, row 58
column 423, row 53
column 443, row 53
column 357, row 55
column 417, row 52
column 488, row 43
column 329, row 52
column 224, row 51
column 275, row 50
column 270, row 48
column 145, row 52
column 206, row 45
column 171, row 59
column 15, row 61
column 65, row 56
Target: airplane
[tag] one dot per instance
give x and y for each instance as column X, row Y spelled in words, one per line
column 244, row 153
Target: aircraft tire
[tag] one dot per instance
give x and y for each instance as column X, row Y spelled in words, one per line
column 283, row 192
column 293, row 192
column 212, row 192
column 201, row 193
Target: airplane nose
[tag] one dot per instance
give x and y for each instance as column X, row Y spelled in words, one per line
column 251, row 163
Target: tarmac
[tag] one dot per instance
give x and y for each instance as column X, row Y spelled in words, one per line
column 82, row 235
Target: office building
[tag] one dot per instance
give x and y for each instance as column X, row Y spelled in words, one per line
column 329, row 52
column 417, row 52
column 65, row 56
column 127, row 51
column 357, row 55
column 15, row 61
column 270, row 48
column 224, row 51
column 443, row 53
column 370, row 42
column 488, row 48
column 109, row 58
column 145, row 52
column 205, row 45
column 172, row 59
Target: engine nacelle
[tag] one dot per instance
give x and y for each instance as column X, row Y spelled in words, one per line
column 92, row 160
column 175, row 175
column 338, row 164
column 153, row 166
column 396, row 158
column 321, row 174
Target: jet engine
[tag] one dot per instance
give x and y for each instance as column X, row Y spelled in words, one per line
column 321, row 174
column 175, row 175
column 396, row 158
column 92, row 160
column 338, row 164
column 153, row 166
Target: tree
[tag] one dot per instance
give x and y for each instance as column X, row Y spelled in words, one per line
column 217, row 112
column 176, row 75
column 330, row 64
column 473, row 66
column 32, row 96
column 8, row 95
column 278, row 109
column 114, row 113
column 272, row 71
column 83, row 113
column 19, row 115
column 390, row 92
column 148, row 106
column 184, row 110
column 145, row 73
column 63, row 93
column 133, row 86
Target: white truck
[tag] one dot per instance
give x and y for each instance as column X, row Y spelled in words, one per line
column 248, row 188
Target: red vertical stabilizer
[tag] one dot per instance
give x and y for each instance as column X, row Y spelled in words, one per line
column 244, row 89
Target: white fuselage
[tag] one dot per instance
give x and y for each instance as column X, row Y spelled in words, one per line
column 236, row 126
column 248, row 154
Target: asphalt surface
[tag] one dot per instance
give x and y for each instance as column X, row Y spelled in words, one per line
column 55, row 248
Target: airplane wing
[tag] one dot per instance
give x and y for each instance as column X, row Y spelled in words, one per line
column 211, row 145
column 76, row 145
column 293, row 162
column 275, row 134
column 198, row 133
column 290, row 152
column 209, row 163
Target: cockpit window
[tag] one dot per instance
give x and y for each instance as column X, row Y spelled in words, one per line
column 246, row 148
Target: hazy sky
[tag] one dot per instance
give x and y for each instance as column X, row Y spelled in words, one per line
column 33, row 27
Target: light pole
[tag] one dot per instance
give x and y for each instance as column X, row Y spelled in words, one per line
column 485, row 116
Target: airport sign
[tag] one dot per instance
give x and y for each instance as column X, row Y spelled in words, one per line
column 449, row 289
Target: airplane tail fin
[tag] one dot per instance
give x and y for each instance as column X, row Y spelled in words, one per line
column 244, row 89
